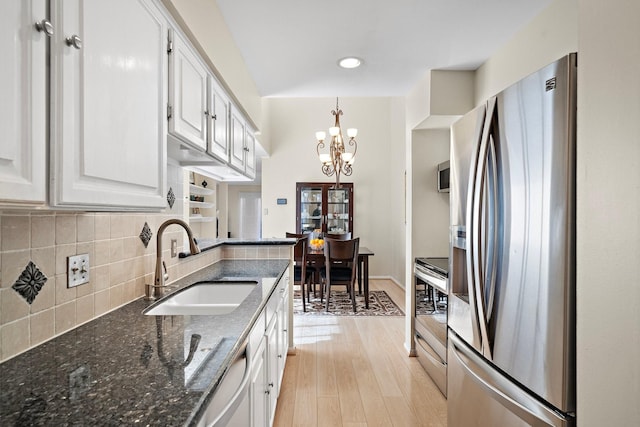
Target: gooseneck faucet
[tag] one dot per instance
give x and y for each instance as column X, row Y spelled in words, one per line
column 155, row 291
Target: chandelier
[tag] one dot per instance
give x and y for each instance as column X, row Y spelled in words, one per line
column 338, row 160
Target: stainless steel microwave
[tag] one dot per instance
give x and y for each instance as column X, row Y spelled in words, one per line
column 443, row 177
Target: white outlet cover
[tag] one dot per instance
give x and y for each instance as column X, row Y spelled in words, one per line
column 77, row 270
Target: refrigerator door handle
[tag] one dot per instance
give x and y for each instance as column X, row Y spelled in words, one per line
column 478, row 224
column 492, row 236
column 508, row 394
column 470, row 252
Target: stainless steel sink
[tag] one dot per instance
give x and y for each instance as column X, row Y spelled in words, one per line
column 204, row 298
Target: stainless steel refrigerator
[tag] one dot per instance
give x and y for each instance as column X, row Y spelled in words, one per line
column 511, row 320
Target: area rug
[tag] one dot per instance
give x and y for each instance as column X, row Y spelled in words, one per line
column 340, row 305
column 425, row 306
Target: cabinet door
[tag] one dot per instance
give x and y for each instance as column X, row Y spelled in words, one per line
column 219, row 122
column 283, row 336
column 108, row 91
column 250, row 153
column 339, row 210
column 23, row 102
column 187, row 93
column 322, row 206
column 258, row 388
column 309, row 199
column 272, row 366
column 237, row 141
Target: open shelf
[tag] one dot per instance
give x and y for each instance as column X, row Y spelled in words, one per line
column 194, row 204
column 200, row 218
column 200, row 191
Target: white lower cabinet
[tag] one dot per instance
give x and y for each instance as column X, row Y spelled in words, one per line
column 258, row 389
column 108, row 104
column 251, row 387
column 273, row 390
column 269, row 359
column 283, row 333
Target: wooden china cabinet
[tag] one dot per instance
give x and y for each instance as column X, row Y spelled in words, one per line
column 320, row 205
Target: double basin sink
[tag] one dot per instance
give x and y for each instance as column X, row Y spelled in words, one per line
column 203, row 298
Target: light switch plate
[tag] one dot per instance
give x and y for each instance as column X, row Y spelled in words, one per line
column 174, row 248
column 77, row 270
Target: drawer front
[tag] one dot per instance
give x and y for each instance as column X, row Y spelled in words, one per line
column 432, row 340
column 257, row 334
column 274, row 301
column 432, row 363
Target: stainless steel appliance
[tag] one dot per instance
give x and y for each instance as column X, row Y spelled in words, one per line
column 444, row 180
column 431, row 317
column 511, row 341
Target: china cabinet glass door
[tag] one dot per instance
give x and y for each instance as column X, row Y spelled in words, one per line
column 310, row 210
column 338, row 211
column 323, row 208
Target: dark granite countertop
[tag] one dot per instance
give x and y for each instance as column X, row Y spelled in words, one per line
column 206, row 244
column 127, row 368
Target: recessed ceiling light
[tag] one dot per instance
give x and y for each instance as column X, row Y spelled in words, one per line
column 350, row 62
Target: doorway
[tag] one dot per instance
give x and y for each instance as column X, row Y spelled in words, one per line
column 250, row 204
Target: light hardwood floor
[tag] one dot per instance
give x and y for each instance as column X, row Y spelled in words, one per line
column 354, row 371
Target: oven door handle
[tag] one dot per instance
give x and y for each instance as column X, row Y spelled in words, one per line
column 426, row 272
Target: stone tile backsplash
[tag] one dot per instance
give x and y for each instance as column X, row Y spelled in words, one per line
column 120, row 265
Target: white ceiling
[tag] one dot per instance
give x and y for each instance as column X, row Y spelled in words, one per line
column 291, row 47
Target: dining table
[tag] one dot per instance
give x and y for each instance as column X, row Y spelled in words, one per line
column 316, row 257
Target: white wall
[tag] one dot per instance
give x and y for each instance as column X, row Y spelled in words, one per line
column 548, row 37
column 430, row 209
column 418, row 102
column 608, row 174
column 293, row 123
column 398, row 196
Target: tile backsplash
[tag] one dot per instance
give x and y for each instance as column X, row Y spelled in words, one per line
column 120, row 265
column 41, row 241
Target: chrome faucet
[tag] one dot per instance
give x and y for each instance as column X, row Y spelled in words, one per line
column 155, row 291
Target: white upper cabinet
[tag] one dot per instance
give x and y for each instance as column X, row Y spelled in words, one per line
column 218, row 137
column 108, row 113
column 23, row 116
column 187, row 93
column 237, row 158
column 243, row 143
column 250, row 152
column 206, row 130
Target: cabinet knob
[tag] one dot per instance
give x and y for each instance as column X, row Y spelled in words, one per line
column 74, row 41
column 270, row 384
column 45, row 26
column 246, row 149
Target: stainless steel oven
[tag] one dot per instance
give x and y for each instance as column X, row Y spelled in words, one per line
column 431, row 279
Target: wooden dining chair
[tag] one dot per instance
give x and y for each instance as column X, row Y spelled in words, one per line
column 301, row 272
column 338, row 236
column 341, row 263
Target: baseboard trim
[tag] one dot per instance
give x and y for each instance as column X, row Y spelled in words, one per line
column 393, row 279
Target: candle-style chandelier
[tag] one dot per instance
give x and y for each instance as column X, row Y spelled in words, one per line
column 338, row 160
